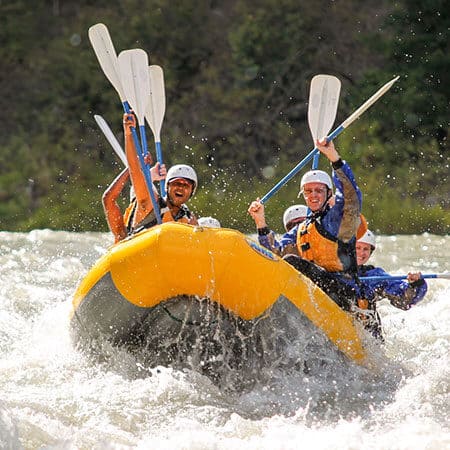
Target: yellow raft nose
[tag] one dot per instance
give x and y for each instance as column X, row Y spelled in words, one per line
column 223, row 265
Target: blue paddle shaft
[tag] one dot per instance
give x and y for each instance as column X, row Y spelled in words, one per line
column 334, row 134
column 162, row 183
column 315, row 163
column 398, row 277
column 290, row 175
column 144, row 167
column 143, row 140
column 300, row 165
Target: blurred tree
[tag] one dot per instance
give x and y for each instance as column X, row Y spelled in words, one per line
column 237, row 76
column 416, row 45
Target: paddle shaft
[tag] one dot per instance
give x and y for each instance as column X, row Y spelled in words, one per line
column 445, row 276
column 332, row 136
column 159, row 158
column 145, row 170
column 155, row 111
column 103, row 125
column 134, row 79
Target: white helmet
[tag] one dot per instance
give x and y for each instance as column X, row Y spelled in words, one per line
column 294, row 212
column 316, row 176
column 368, row 238
column 182, row 171
column 210, row 222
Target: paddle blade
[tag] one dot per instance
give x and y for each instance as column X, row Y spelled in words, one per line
column 323, row 103
column 133, row 66
column 107, row 57
column 156, row 106
column 101, row 122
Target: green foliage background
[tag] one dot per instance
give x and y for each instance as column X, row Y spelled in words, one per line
column 237, row 79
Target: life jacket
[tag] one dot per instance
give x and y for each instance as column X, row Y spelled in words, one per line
column 129, row 214
column 183, row 216
column 316, row 244
column 369, row 301
column 367, row 313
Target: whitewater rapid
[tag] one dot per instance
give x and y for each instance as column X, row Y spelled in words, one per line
column 51, row 397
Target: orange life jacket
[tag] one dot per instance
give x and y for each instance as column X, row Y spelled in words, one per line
column 315, row 244
column 183, row 216
column 167, row 217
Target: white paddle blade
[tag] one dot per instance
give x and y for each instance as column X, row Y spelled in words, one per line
column 101, row 122
column 107, row 57
column 323, row 102
column 156, row 106
column 133, row 65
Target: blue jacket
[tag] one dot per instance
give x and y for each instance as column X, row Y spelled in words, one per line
column 400, row 293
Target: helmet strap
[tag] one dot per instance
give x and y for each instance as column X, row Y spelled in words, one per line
column 325, row 203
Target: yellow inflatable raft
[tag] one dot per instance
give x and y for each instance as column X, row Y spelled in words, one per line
column 157, row 282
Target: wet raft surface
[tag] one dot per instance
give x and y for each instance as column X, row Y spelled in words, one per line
column 264, row 314
column 198, row 334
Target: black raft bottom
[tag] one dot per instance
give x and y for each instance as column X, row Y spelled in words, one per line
column 199, row 334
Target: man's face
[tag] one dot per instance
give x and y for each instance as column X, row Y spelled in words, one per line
column 179, row 191
column 363, row 252
column 315, row 195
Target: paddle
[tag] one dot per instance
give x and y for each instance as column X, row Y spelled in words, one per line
column 333, row 135
column 101, row 122
column 107, row 58
column 136, row 83
column 322, row 107
column 154, row 113
column 133, row 66
column 444, row 276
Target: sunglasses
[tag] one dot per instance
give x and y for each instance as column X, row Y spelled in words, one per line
column 319, row 191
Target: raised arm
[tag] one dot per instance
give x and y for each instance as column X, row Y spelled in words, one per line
column 344, row 218
column 112, row 210
column 144, row 203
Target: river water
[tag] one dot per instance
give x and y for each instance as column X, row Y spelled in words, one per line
column 52, row 397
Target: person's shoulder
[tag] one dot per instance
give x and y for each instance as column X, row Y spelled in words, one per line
column 371, row 271
column 290, row 236
column 378, row 271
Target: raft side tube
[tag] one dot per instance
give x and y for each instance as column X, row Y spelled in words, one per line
column 100, row 268
column 175, row 259
column 178, row 259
